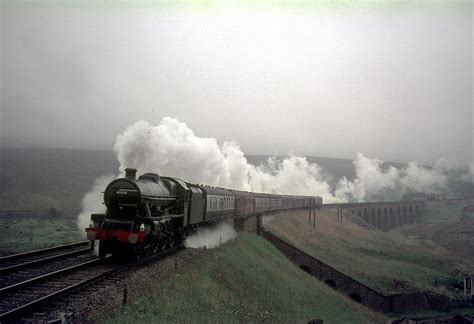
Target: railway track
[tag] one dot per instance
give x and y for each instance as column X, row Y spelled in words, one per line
column 16, row 261
column 19, row 299
column 20, row 267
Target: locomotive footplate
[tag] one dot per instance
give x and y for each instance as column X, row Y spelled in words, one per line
column 116, row 234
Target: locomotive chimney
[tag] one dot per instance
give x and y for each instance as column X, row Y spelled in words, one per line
column 130, row 173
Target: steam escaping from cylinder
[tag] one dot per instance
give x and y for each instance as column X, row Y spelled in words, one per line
column 211, row 237
column 267, row 219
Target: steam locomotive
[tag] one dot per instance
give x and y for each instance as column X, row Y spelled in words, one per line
column 150, row 213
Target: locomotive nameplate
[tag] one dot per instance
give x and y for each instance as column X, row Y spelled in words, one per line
column 124, row 191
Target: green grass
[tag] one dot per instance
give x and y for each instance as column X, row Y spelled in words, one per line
column 443, row 212
column 444, row 224
column 247, row 279
column 424, row 314
column 389, row 264
column 20, row 232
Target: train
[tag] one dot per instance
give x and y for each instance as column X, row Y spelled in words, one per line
column 151, row 213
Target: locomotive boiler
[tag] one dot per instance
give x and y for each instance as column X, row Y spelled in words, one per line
column 150, row 213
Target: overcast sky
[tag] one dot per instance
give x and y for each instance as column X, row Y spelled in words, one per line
column 390, row 81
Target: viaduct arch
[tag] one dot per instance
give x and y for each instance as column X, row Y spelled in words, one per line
column 386, row 215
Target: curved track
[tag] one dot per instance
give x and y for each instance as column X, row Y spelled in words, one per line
column 9, row 262
column 20, row 267
column 17, row 299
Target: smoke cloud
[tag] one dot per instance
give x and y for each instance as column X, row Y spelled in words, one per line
column 211, row 236
column 374, row 183
column 470, row 175
column 92, row 202
column 455, row 170
column 267, row 219
column 446, row 165
column 171, row 148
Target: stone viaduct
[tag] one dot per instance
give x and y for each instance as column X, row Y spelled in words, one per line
column 384, row 215
column 356, row 290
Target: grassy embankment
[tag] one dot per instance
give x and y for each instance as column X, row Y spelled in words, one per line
column 442, row 223
column 436, row 216
column 22, row 231
column 246, row 279
column 385, row 262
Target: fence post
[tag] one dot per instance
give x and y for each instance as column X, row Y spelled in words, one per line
column 125, row 295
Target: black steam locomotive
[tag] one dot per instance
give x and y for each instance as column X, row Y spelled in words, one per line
column 152, row 213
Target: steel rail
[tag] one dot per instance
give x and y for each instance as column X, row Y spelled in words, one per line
column 29, row 282
column 12, row 257
column 38, row 261
column 11, row 314
column 21, row 309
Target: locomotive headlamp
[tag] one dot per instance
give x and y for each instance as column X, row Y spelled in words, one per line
column 142, row 227
column 133, row 238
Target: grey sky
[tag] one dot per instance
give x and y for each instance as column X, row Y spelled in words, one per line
column 393, row 82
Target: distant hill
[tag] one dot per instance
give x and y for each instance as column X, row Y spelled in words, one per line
column 37, row 179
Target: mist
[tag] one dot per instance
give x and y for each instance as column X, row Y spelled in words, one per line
column 393, row 82
column 92, row 202
column 211, row 237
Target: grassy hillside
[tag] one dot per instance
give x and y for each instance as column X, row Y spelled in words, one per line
column 436, row 216
column 388, row 263
column 25, row 231
column 458, row 238
column 245, row 280
column 442, row 223
column 40, row 179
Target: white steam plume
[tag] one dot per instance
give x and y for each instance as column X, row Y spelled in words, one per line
column 446, row 165
column 267, row 219
column 293, row 175
column 92, row 202
column 172, row 149
column 211, row 237
column 373, row 183
column 469, row 175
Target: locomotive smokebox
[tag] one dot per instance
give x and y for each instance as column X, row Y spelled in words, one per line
column 130, row 173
